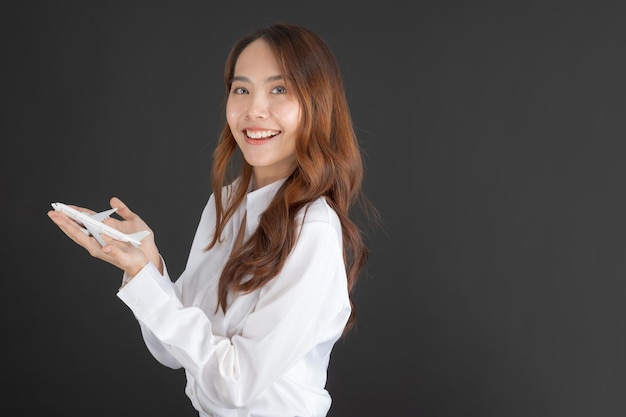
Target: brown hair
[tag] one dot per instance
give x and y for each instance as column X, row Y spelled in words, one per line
column 328, row 158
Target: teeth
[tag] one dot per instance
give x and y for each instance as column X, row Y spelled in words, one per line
column 261, row 134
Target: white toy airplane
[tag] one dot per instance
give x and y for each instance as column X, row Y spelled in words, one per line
column 93, row 225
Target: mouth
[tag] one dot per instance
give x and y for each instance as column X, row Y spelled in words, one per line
column 257, row 134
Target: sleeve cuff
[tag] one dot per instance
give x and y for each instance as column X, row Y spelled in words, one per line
column 127, row 278
column 147, row 292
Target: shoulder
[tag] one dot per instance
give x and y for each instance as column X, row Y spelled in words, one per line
column 319, row 213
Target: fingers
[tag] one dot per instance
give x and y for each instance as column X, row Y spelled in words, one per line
column 119, row 254
column 69, row 226
column 75, row 232
column 82, row 209
column 122, row 209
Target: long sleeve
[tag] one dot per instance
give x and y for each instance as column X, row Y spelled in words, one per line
column 153, row 344
column 268, row 354
column 302, row 307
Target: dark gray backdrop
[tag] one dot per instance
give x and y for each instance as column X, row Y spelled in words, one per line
column 494, row 149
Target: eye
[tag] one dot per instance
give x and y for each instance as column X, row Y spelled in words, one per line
column 239, row 90
column 279, row 90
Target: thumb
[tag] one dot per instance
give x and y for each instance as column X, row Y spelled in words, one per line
column 122, row 209
column 128, row 259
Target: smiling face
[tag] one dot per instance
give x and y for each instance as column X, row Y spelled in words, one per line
column 263, row 114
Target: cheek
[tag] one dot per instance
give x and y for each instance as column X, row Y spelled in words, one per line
column 289, row 114
column 232, row 114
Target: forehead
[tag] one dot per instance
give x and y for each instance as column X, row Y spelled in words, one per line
column 257, row 58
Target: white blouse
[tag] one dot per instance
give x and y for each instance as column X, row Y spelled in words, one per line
column 269, row 354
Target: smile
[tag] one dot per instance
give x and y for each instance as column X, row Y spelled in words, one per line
column 261, row 134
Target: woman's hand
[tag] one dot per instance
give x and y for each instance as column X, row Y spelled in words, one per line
column 120, row 254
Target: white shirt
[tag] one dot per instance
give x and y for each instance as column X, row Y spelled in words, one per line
column 268, row 355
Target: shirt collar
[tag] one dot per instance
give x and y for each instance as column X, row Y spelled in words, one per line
column 257, row 201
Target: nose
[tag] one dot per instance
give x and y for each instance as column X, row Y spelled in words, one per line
column 257, row 107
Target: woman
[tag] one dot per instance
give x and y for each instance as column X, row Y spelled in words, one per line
column 265, row 293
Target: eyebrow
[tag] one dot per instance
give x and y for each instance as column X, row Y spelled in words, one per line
column 246, row 79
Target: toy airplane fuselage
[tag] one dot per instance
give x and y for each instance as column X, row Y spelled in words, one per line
column 93, row 225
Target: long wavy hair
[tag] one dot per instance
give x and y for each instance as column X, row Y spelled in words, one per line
column 329, row 164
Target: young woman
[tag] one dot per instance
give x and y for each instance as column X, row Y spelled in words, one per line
column 266, row 291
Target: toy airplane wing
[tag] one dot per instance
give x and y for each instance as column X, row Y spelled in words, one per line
column 99, row 217
column 103, row 214
column 95, row 232
column 135, row 238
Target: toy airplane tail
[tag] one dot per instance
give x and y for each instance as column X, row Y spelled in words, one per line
column 138, row 236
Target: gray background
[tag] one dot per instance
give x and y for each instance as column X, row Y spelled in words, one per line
column 493, row 134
